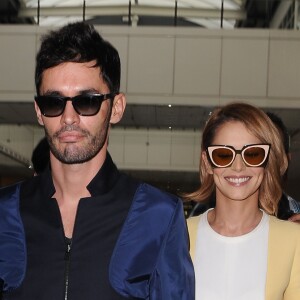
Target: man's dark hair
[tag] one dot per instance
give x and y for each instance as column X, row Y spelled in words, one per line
column 79, row 42
column 41, row 156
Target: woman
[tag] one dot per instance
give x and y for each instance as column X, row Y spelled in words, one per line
column 240, row 250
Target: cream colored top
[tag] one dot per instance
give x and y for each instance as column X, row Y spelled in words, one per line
column 283, row 267
column 231, row 268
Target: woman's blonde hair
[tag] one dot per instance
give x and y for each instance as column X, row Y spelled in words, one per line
column 260, row 125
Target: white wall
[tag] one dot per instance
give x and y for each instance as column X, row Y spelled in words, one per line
column 171, row 150
column 176, row 65
column 138, row 150
column 180, row 66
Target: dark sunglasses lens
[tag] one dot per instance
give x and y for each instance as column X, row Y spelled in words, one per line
column 254, row 156
column 51, row 106
column 87, row 105
column 222, row 156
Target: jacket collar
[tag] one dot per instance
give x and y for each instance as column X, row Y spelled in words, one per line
column 99, row 185
column 105, row 179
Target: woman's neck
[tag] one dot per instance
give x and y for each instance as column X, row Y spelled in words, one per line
column 234, row 221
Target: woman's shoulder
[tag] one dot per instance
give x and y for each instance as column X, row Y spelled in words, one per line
column 193, row 221
column 284, row 225
column 192, row 224
column 284, row 230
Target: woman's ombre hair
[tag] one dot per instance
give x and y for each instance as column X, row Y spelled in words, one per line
column 260, row 125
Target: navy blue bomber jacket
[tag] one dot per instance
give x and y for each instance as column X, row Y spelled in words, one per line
column 129, row 242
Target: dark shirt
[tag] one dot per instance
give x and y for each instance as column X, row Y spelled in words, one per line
column 78, row 270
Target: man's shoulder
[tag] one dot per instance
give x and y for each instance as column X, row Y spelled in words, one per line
column 152, row 203
column 12, row 246
column 156, row 195
column 9, row 191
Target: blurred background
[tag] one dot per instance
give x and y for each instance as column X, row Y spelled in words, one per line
column 180, row 59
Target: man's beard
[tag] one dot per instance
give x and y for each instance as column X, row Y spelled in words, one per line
column 72, row 154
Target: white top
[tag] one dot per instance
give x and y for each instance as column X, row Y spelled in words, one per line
column 231, row 268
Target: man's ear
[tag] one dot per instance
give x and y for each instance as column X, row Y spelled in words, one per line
column 118, row 108
column 38, row 114
column 207, row 164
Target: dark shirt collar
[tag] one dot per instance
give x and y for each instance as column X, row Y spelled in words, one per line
column 105, row 179
column 99, row 185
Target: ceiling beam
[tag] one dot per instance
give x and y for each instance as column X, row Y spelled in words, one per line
column 280, row 13
column 143, row 10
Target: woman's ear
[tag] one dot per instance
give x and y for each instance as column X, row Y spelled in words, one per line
column 118, row 108
column 38, row 114
column 207, row 164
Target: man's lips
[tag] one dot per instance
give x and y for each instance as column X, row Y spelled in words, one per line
column 69, row 136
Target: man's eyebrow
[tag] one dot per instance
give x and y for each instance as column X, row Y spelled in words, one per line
column 81, row 92
column 52, row 93
column 88, row 91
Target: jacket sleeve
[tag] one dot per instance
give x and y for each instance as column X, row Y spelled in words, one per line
column 12, row 240
column 151, row 258
column 174, row 274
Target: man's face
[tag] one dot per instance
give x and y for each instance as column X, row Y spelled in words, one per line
column 74, row 138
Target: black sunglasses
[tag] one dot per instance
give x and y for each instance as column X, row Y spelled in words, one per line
column 84, row 105
column 254, row 155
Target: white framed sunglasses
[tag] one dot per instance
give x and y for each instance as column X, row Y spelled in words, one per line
column 254, row 155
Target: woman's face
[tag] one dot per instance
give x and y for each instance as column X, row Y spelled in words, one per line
column 238, row 182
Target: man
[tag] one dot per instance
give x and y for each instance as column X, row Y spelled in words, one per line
column 91, row 232
column 288, row 208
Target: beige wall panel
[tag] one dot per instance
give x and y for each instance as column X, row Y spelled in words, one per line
column 135, row 149
column 155, row 149
column 150, row 65
column 17, row 62
column 284, row 68
column 159, row 149
column 182, row 150
column 197, row 66
column 244, row 67
column 116, row 146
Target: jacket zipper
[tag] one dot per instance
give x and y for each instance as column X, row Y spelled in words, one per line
column 67, row 266
column 1, row 287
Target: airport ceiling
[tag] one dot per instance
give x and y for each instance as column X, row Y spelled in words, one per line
column 204, row 13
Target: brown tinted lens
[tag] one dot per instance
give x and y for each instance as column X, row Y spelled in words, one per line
column 222, row 156
column 254, row 155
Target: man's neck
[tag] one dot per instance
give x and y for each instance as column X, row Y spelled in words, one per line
column 70, row 180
